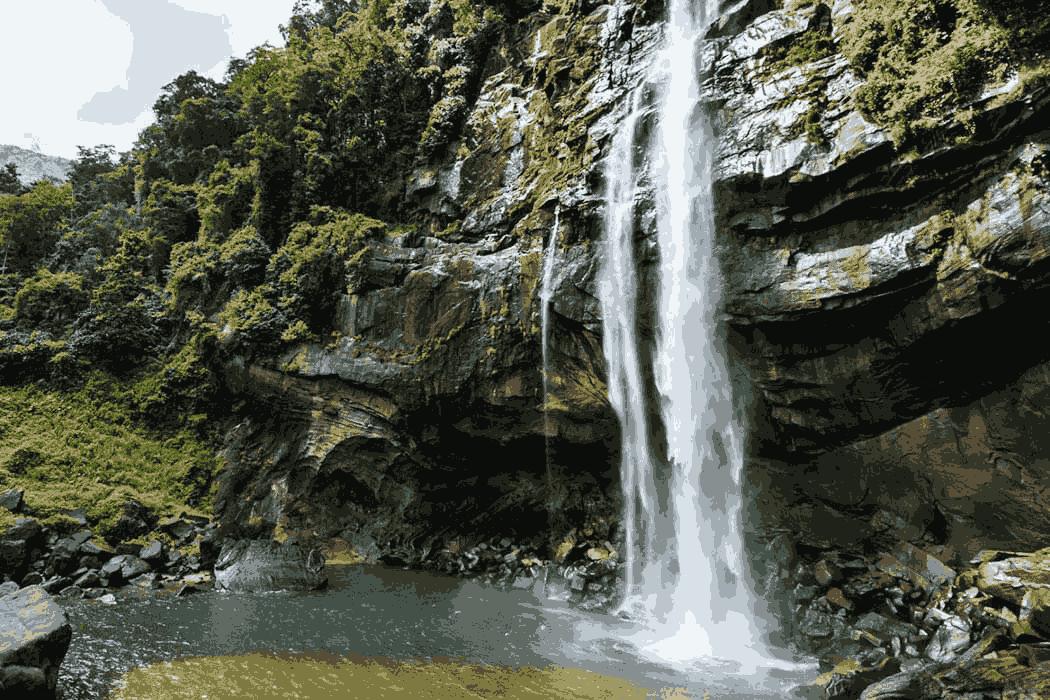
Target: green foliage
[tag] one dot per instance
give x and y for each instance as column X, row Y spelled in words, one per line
column 304, row 20
column 9, row 182
column 921, row 59
column 28, row 224
column 48, row 294
column 171, row 210
column 85, row 450
column 98, row 181
column 810, row 46
column 226, row 201
column 125, row 321
column 83, row 246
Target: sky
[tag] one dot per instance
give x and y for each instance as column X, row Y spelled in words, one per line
column 86, row 72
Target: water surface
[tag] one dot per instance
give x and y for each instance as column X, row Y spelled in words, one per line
column 387, row 615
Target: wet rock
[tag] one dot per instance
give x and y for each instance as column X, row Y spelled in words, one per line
column 136, row 521
column 906, row 684
column 94, row 593
column 187, row 589
column 34, row 639
column 112, row 568
column 33, row 578
column 150, row 581
column 210, row 548
column 1010, row 578
column 128, row 548
column 849, row 677
column 102, row 550
column 89, row 562
column 133, row 567
column 883, row 627
column 803, row 593
column 65, row 556
column 56, row 584
column 88, row 580
column 826, row 572
column 817, row 624
column 1035, row 611
column 12, row 499
column 259, row 565
column 178, row 528
column 154, row 552
column 12, row 554
column 836, row 598
column 71, row 592
column 916, row 566
column 26, row 529
column 951, row 639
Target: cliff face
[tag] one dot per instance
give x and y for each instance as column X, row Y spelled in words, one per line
column 883, row 294
column 33, row 166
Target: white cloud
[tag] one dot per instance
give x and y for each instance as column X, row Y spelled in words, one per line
column 70, row 50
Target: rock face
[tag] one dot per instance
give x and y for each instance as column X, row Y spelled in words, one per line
column 34, row 638
column 879, row 288
column 33, row 165
column 258, row 565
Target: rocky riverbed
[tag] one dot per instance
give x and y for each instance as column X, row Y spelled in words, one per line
column 885, row 623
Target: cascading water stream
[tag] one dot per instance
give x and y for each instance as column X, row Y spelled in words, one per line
column 546, row 293
column 686, row 577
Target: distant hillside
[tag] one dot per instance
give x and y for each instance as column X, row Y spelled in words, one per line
column 33, row 166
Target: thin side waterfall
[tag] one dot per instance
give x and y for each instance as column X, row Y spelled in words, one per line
column 686, row 575
column 550, row 257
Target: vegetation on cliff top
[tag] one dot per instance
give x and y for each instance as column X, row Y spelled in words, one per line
column 923, row 58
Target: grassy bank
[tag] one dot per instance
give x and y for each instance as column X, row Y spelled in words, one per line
column 87, row 450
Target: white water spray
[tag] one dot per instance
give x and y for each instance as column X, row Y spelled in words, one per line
column 685, row 572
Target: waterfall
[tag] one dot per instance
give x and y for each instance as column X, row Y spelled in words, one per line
column 685, row 570
column 550, row 258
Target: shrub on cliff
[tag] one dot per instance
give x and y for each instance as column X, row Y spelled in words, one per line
column 126, row 319
column 50, row 297
column 28, row 224
column 923, row 58
column 98, row 181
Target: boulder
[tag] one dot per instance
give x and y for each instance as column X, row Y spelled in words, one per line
column 26, row 529
column 12, row 555
column 179, row 529
column 154, row 552
column 8, row 587
column 136, row 521
column 33, row 578
column 101, row 551
column 951, row 639
column 920, row 568
column 260, row 565
column 34, row 639
column 56, row 584
column 1011, row 578
column 112, row 568
column 11, row 499
column 88, row 580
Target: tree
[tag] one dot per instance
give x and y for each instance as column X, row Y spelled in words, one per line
column 29, row 224
column 327, row 14
column 98, row 181
column 9, row 182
